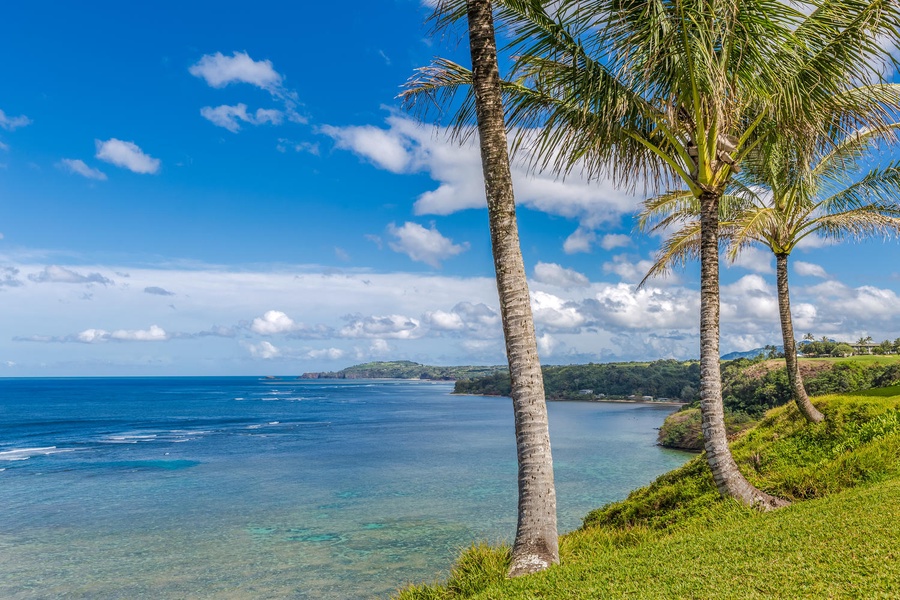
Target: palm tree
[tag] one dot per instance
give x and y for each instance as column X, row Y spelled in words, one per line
column 666, row 91
column 536, row 544
column 786, row 200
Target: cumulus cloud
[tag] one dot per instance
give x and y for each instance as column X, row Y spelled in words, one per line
column 79, row 167
column 758, row 260
column 9, row 277
column 581, row 240
column 264, row 350
column 230, row 117
column 749, row 298
column 326, row 353
column 423, row 245
column 627, row 269
column 476, row 320
column 555, row 312
column 620, row 307
column 615, row 240
column 157, row 291
column 407, row 146
column 554, row 274
column 57, row 274
column 273, row 322
column 97, row 336
column 386, row 151
column 219, row 70
column 127, row 155
column 389, row 326
column 546, row 344
column 806, row 269
column 12, row 123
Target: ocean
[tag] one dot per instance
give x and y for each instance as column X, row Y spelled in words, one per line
column 251, row 488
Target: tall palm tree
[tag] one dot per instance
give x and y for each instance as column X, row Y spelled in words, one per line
column 536, row 545
column 676, row 90
column 784, row 200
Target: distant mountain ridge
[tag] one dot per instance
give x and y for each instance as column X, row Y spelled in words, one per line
column 406, row 369
column 751, row 353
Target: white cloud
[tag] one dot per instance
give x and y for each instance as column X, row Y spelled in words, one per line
column 154, row 334
column 94, row 336
column 615, row 240
column 326, row 353
column 57, row 274
column 384, row 150
column 407, row 146
column 12, row 123
column 273, row 322
column 424, row 245
column 388, row 326
column 556, row 275
column 423, row 317
column 127, row 155
column 758, row 260
column 626, row 269
column 219, row 70
column 264, row 350
column 546, row 343
column 750, row 299
column 444, row 321
column 229, row 117
column 378, row 347
column 805, row 269
column 554, row 312
column 79, row 167
column 465, row 318
column 620, row 307
column 581, row 240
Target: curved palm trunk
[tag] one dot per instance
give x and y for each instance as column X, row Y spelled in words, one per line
column 728, row 478
column 536, row 545
column 806, row 407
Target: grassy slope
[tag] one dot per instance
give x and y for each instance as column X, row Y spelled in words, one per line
column 677, row 539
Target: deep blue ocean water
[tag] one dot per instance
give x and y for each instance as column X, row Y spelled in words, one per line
column 248, row 488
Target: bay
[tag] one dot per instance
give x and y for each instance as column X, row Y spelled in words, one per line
column 256, row 488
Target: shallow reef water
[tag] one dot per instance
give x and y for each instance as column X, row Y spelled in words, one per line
column 240, row 488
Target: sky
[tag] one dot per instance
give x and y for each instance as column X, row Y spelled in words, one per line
column 199, row 188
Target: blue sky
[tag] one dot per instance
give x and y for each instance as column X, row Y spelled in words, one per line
column 221, row 188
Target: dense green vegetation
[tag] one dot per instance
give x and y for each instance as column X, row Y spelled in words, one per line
column 678, row 538
column 660, row 379
column 405, row 369
column 754, row 386
column 750, row 387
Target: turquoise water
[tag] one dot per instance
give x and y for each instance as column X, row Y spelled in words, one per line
column 247, row 488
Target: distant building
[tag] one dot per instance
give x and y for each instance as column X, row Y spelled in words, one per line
column 864, row 348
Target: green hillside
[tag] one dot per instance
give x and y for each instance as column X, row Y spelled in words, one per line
column 678, row 539
column 405, row 369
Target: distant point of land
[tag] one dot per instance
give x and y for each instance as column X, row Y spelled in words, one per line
column 406, row 369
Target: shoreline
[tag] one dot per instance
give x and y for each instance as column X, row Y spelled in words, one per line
column 605, row 400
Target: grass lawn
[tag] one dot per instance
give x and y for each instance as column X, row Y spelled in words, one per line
column 866, row 359
column 678, row 539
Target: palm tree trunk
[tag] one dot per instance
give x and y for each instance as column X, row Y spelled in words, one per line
column 729, row 480
column 536, row 545
column 806, row 407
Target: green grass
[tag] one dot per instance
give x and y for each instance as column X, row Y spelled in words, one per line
column 866, row 359
column 678, row 539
